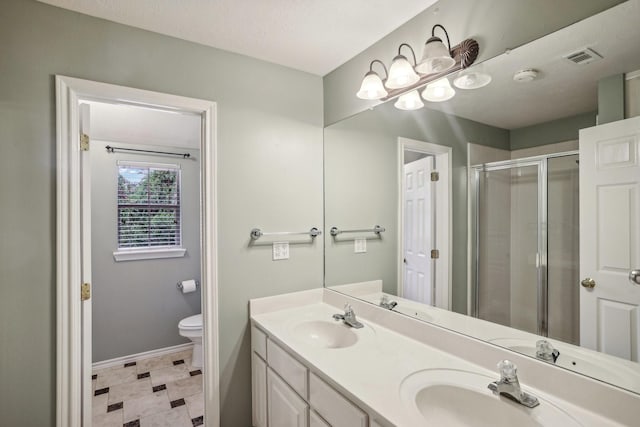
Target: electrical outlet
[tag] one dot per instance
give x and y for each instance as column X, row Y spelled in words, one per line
column 360, row 246
column 280, row 250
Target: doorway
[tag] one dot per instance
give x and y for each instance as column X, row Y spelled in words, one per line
column 74, row 308
column 424, row 216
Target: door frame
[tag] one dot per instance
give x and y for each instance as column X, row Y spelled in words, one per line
column 69, row 249
column 443, row 217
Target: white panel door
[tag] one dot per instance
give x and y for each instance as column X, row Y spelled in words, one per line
column 610, row 237
column 285, row 407
column 418, row 231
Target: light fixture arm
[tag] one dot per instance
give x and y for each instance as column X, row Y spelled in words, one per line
column 386, row 72
column 415, row 62
column 433, row 34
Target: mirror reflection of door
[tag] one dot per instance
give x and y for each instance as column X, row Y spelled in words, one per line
column 610, row 238
column 419, row 221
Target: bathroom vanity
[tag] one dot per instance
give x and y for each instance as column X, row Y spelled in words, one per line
column 311, row 370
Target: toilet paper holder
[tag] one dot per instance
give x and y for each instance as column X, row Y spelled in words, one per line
column 179, row 285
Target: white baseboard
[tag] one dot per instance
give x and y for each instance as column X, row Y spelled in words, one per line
column 119, row 361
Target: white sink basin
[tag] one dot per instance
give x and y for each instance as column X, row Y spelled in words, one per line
column 591, row 363
column 324, row 334
column 453, row 398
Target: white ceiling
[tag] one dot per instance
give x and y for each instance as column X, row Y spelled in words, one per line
column 315, row 36
column 146, row 126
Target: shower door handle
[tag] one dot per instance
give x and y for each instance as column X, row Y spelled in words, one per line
column 588, row 283
column 634, row 277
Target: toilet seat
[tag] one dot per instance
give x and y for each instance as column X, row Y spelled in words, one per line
column 191, row 322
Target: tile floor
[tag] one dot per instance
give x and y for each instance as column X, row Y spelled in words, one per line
column 156, row 392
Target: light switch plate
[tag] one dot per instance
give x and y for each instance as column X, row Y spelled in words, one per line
column 360, row 246
column 280, row 250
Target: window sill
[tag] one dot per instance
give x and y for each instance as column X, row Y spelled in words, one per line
column 138, row 254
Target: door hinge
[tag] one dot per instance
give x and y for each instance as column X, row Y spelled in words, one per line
column 435, row 176
column 84, row 142
column 85, row 291
column 435, row 254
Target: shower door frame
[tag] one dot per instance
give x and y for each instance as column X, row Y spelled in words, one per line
column 541, row 163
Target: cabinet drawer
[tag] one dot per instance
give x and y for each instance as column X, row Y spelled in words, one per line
column 292, row 371
column 332, row 406
column 259, row 342
column 286, row 408
column 316, row 421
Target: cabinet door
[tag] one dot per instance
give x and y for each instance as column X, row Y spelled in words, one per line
column 316, row 421
column 286, row 408
column 259, row 390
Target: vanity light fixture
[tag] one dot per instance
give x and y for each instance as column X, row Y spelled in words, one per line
column 403, row 79
column 438, row 91
column 436, row 57
column 372, row 87
column 401, row 73
column 472, row 78
column 409, row 101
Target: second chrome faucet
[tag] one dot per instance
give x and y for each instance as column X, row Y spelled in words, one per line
column 349, row 317
column 509, row 386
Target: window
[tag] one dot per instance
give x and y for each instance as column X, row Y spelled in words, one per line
column 148, row 208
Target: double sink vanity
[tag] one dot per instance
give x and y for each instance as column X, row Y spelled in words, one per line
column 312, row 367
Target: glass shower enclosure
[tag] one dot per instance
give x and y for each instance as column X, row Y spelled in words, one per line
column 524, row 246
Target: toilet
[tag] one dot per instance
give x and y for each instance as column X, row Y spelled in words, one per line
column 191, row 327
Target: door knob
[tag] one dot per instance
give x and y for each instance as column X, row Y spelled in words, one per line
column 634, row 277
column 588, row 283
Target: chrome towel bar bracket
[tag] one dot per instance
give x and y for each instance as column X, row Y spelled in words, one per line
column 376, row 229
column 256, row 233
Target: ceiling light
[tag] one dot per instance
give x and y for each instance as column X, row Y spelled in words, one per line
column 472, row 78
column 438, row 91
column 401, row 72
column 525, row 76
column 409, row 101
column 372, row 87
column 436, row 57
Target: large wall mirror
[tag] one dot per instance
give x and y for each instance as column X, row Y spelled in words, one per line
column 466, row 213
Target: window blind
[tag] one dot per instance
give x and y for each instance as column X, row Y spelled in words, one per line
column 148, row 206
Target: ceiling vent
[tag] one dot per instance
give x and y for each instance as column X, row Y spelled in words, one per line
column 583, row 56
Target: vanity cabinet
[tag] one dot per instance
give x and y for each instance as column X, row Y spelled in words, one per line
column 284, row 407
column 287, row 394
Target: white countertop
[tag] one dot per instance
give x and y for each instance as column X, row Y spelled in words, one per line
column 371, row 371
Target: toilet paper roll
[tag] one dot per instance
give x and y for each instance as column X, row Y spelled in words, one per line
column 188, row 286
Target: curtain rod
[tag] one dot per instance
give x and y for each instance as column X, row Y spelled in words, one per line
column 111, row 149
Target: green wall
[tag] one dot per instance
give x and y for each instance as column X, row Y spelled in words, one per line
column 361, row 188
column 565, row 129
column 267, row 134
column 611, row 99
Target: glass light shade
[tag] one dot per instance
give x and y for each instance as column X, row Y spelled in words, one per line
column 472, row 79
column 409, row 101
column 438, row 91
column 435, row 57
column 372, row 87
column 401, row 73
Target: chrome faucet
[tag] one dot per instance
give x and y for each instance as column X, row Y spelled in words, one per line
column 349, row 317
column 509, row 386
column 546, row 352
column 385, row 303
